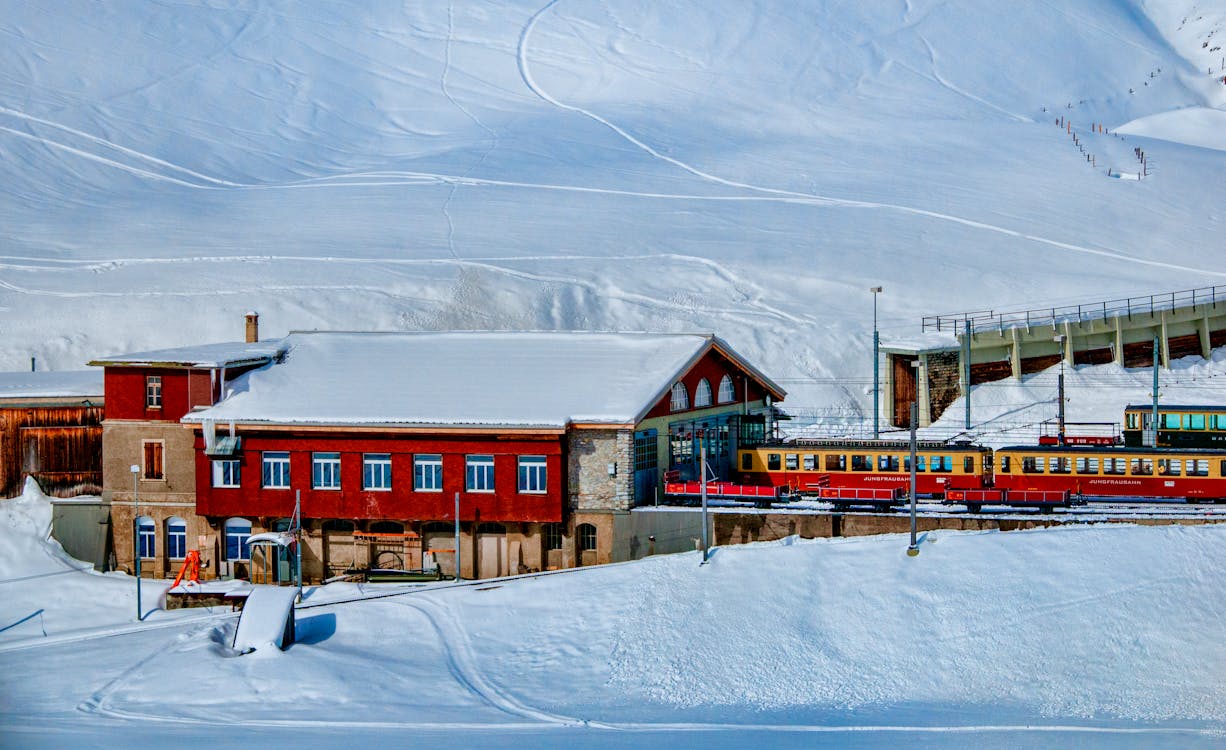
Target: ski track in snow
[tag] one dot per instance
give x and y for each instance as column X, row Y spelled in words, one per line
column 526, row 73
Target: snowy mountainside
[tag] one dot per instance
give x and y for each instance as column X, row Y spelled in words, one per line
column 746, row 169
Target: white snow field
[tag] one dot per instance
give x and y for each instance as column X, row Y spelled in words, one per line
column 748, row 169
column 1090, row 636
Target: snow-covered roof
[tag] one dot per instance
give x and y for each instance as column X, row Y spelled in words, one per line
column 228, row 354
column 57, row 384
column 528, row 379
column 939, row 341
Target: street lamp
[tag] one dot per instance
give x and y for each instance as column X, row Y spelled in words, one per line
column 135, row 469
column 876, row 367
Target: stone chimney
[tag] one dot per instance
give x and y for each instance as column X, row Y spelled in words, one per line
column 253, row 327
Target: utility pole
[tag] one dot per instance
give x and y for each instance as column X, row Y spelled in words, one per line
column 702, row 480
column 876, row 368
column 1154, row 414
column 135, row 469
column 298, row 542
column 913, row 550
column 1060, row 393
column 457, row 537
column 966, row 372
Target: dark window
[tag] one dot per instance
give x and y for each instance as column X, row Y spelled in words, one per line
column 887, row 463
column 836, row 462
column 968, row 464
column 746, row 462
column 552, row 532
column 587, row 537
column 153, row 460
column 176, row 538
column 773, row 462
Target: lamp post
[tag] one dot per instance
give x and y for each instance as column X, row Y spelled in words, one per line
column 1060, row 393
column 702, row 483
column 876, row 367
column 913, row 550
column 135, row 469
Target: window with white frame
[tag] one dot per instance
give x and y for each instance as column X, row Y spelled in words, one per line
column 146, row 536
column 176, row 538
column 227, row 473
column 479, row 473
column 428, row 472
column 702, row 394
column 276, row 470
column 680, row 399
column 153, row 392
column 326, row 471
column 237, row 532
column 727, row 391
column 377, row 471
column 532, row 474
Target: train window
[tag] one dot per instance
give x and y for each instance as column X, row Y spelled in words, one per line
column 1060, row 464
column 1130, row 420
column 947, row 463
column 1169, row 421
column 1194, row 422
column 1217, row 421
column 1115, row 465
column 1087, row 465
column 836, row 462
column 1004, row 464
column 968, row 464
column 1142, row 467
column 810, row 462
column 887, row 463
column 1032, row 464
column 1198, row 467
column 861, row 463
column 772, row 462
column 746, row 462
column 919, row 463
column 791, row 461
column 1170, row 467
column 1221, row 469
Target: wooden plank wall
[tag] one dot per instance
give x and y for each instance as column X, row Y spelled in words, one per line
column 60, row 446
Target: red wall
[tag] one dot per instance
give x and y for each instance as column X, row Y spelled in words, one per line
column 401, row 503
column 713, row 367
column 125, row 392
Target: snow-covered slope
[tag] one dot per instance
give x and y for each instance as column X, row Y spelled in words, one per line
column 743, row 168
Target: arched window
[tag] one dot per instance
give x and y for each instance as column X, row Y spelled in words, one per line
column 387, row 527
column 586, row 533
column 702, row 394
column 680, row 398
column 237, row 531
column 491, row 528
column 176, row 538
column 146, row 536
column 727, row 391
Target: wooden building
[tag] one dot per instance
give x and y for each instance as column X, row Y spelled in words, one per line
column 547, row 440
column 51, row 429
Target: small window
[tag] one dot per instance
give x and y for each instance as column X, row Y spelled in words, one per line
column 377, row 471
column 428, row 472
column 153, row 468
column 1087, row 465
column 1115, row 466
column 227, row 473
column 1130, row 420
column 276, row 470
column 1217, row 422
column 791, row 461
column 887, row 463
column 552, row 535
column 1198, row 467
column 1169, row 421
column 1060, row 465
column 920, row 460
column 586, row 533
column 237, row 532
column 1033, row 464
column 836, row 462
column 176, row 538
column 1195, row 422
column 727, row 392
column 1170, row 467
column 680, row 399
column 860, row 462
column 1004, row 464
column 532, row 474
column 146, row 536
column 809, row 462
column 153, row 392
column 746, row 462
column 326, row 471
column 702, row 394
column 1142, row 467
column 968, row 464
column 773, row 462
column 480, row 473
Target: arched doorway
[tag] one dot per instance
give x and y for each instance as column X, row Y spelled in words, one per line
column 389, row 549
column 340, row 547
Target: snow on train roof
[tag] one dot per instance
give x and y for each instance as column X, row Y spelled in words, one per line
column 530, row 379
column 51, row 384
column 227, row 354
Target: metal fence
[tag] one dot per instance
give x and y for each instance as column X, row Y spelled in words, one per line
column 986, row 320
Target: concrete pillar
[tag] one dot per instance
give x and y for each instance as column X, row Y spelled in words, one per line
column 1015, row 354
column 887, row 391
column 1164, row 348
column 1203, row 329
column 921, row 392
column 1119, row 341
column 1068, row 344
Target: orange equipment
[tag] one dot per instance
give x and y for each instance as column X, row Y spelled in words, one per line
column 191, row 566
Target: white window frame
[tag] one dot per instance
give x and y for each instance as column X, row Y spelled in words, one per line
column 146, row 537
column 153, row 391
column 377, row 472
column 679, row 397
column 727, row 391
column 428, row 472
column 479, row 473
column 276, row 460
column 227, row 472
column 241, row 536
column 533, row 475
column 176, row 534
column 702, row 394
column 326, row 470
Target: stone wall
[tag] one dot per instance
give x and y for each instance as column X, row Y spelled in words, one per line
column 591, row 485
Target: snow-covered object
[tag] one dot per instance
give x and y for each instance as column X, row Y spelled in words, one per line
column 545, row 379
column 51, row 384
column 226, row 354
column 267, row 620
